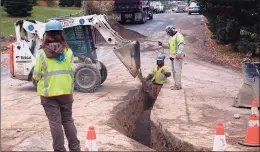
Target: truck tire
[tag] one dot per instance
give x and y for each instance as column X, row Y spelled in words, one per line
column 87, row 78
column 103, row 72
column 144, row 18
column 151, row 17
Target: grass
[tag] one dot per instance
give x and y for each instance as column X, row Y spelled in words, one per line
column 40, row 13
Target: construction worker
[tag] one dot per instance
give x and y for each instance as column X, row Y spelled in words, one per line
column 176, row 46
column 158, row 76
column 54, row 74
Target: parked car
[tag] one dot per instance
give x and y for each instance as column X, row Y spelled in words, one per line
column 181, row 7
column 157, row 7
column 194, row 8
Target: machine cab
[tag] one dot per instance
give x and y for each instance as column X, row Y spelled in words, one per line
column 80, row 38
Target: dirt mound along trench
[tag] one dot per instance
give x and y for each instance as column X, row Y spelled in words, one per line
column 133, row 119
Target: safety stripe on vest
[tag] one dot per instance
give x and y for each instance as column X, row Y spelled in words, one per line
column 48, row 74
column 44, row 66
column 37, row 74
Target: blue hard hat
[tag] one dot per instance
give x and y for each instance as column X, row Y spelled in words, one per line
column 160, row 57
column 169, row 28
column 53, row 25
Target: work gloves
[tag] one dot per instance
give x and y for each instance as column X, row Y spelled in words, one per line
column 172, row 57
column 167, row 74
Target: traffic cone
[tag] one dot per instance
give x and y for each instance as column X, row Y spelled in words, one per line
column 252, row 133
column 254, row 108
column 91, row 143
column 219, row 139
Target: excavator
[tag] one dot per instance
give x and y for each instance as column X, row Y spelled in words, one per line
column 80, row 35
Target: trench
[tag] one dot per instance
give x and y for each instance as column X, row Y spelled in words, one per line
column 133, row 119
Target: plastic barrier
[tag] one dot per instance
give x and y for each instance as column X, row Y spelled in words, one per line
column 250, row 89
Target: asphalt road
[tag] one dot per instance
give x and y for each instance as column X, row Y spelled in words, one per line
column 4, row 73
column 160, row 21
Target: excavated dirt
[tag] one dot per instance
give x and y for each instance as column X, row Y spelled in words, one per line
column 133, row 119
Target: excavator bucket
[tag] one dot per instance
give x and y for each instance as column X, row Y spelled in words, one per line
column 250, row 89
column 129, row 55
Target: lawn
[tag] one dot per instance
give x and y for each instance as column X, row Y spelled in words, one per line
column 40, row 13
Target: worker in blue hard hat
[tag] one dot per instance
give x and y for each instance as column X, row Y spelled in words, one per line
column 54, row 73
column 158, row 76
column 176, row 50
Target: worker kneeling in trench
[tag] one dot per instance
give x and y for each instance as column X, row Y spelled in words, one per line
column 155, row 81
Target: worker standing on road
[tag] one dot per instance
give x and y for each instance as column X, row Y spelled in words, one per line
column 158, row 76
column 54, row 75
column 176, row 46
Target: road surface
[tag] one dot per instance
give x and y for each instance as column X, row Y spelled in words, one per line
column 24, row 125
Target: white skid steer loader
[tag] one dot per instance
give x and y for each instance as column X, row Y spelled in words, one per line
column 79, row 34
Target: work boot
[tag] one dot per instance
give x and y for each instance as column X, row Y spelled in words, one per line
column 176, row 87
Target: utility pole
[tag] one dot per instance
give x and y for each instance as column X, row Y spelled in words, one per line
column 1, row 31
column 85, row 7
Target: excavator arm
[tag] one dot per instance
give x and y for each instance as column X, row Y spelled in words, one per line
column 126, row 50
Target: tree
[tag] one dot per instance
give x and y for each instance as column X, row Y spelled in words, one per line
column 77, row 3
column 69, row 3
column 21, row 8
column 2, row 2
column 34, row 2
column 226, row 18
column 51, row 3
column 85, row 7
column 62, row 2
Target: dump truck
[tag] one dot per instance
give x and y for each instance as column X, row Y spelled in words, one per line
column 79, row 34
column 133, row 11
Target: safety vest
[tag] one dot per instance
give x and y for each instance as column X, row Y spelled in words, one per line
column 174, row 42
column 54, row 78
column 158, row 77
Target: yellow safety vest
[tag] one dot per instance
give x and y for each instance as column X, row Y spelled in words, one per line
column 158, row 77
column 54, row 78
column 174, row 42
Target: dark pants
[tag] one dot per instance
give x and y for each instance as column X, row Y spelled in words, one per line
column 155, row 89
column 59, row 112
column 151, row 95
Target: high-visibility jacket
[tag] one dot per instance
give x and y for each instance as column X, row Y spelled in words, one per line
column 158, row 77
column 54, row 78
column 174, row 42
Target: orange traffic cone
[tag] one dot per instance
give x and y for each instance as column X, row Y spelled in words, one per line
column 252, row 133
column 254, row 108
column 219, row 139
column 91, row 143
